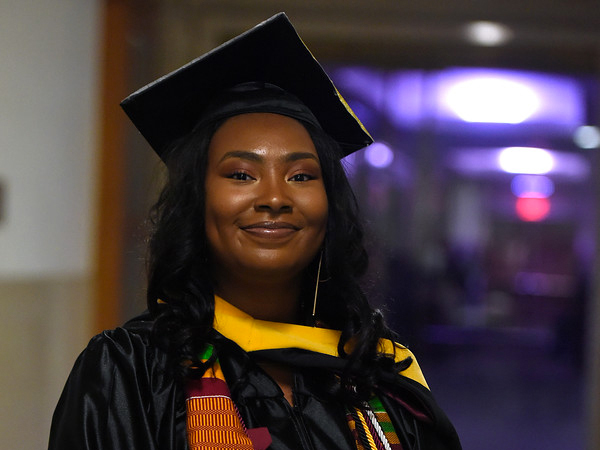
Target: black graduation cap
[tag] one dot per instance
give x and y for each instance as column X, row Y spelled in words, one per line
column 271, row 52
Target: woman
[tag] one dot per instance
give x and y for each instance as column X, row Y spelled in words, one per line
column 254, row 262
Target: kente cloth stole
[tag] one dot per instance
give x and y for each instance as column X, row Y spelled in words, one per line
column 372, row 428
column 214, row 422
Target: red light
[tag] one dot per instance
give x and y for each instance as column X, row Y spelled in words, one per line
column 532, row 209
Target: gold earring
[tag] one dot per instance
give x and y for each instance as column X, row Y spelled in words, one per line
column 317, row 286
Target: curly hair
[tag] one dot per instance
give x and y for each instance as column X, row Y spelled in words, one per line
column 180, row 291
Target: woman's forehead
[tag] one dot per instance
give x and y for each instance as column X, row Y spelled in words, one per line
column 262, row 134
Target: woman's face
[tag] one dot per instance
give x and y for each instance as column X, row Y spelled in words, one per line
column 266, row 206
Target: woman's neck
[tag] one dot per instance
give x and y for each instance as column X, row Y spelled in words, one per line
column 276, row 302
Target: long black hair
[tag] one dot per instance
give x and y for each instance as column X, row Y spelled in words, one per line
column 180, row 291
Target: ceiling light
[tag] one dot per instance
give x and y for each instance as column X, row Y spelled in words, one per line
column 532, row 186
column 529, row 160
column 488, row 33
column 492, row 99
column 587, row 137
column 379, row 155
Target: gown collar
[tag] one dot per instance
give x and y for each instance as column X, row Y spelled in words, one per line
column 253, row 335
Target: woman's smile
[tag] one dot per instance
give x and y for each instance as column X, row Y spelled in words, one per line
column 271, row 229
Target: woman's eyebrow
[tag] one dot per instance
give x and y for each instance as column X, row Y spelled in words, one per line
column 296, row 156
column 243, row 154
column 257, row 157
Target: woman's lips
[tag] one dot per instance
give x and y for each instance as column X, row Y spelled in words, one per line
column 271, row 229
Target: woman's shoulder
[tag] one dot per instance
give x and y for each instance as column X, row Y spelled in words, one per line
column 138, row 330
column 120, row 377
column 125, row 353
column 130, row 341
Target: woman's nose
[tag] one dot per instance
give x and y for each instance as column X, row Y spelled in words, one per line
column 273, row 195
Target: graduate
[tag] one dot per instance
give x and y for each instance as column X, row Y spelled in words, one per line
column 257, row 334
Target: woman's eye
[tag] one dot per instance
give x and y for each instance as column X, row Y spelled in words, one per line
column 240, row 176
column 302, row 177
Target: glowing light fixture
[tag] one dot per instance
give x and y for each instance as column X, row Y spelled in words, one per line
column 487, row 33
column 587, row 137
column 379, row 155
column 532, row 186
column 492, row 99
column 532, row 209
column 528, row 160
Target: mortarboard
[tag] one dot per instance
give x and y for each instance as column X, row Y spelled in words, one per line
column 271, row 52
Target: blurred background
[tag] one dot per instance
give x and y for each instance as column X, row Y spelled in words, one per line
column 481, row 194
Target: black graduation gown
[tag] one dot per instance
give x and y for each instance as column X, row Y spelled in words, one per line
column 119, row 396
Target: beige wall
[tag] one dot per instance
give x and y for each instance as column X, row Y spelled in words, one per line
column 48, row 90
column 47, row 135
column 44, row 325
